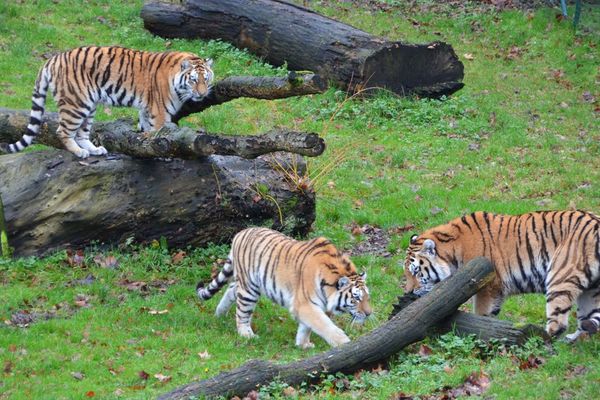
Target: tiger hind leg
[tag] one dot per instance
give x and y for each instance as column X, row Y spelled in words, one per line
column 245, row 303
column 588, row 314
column 559, row 301
column 227, row 300
column 67, row 130
column 83, row 137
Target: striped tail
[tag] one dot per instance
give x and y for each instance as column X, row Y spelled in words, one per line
column 205, row 293
column 38, row 101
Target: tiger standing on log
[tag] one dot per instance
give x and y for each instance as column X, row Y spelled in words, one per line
column 156, row 83
column 311, row 279
column 552, row 252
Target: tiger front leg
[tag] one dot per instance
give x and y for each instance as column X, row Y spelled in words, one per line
column 316, row 319
column 303, row 337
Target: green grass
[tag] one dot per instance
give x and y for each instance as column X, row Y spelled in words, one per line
column 519, row 137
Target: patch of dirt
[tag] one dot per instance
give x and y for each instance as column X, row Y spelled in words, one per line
column 376, row 241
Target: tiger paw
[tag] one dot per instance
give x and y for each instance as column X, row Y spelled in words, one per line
column 99, row 151
column 307, row 345
column 82, row 153
column 555, row 329
column 246, row 331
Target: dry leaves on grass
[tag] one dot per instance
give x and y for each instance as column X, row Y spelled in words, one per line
column 108, row 261
column 475, row 385
column 75, row 258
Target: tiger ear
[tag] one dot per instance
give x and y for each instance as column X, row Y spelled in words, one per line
column 209, row 62
column 363, row 275
column 429, row 246
column 343, row 281
column 413, row 239
column 185, row 64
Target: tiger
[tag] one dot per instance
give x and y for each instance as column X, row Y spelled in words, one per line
column 312, row 279
column 157, row 83
column 556, row 253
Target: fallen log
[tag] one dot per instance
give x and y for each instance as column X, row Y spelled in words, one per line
column 410, row 325
column 170, row 141
column 484, row 328
column 281, row 32
column 53, row 201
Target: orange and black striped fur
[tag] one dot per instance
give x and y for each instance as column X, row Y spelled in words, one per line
column 156, row 83
column 311, row 279
column 552, row 252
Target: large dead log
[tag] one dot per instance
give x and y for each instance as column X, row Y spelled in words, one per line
column 281, row 32
column 409, row 325
column 53, row 201
column 484, row 328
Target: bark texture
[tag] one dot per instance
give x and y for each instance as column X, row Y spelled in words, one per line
column 281, row 32
column 485, row 328
column 53, row 201
column 170, row 141
column 410, row 325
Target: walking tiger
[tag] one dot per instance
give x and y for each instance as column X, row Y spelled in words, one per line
column 311, row 279
column 552, row 252
column 156, row 83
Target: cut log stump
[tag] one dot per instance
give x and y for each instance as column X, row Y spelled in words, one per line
column 280, row 32
column 411, row 324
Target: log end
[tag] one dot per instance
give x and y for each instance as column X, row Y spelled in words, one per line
column 428, row 70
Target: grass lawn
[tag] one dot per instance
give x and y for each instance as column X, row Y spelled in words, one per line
column 523, row 135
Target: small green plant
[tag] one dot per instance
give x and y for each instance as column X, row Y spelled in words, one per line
column 5, row 250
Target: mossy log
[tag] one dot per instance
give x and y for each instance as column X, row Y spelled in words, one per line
column 281, row 32
column 411, row 324
column 54, row 201
column 484, row 328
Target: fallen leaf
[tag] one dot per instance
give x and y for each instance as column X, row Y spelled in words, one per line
column 162, row 378
column 90, row 393
column 119, row 392
column 425, row 351
column 157, row 312
column 289, row 391
column 358, row 204
column 8, row 366
column 143, row 375
column 109, row 261
column 75, row 259
column 204, row 355
column 77, row 375
column 178, row 257
column 468, row 56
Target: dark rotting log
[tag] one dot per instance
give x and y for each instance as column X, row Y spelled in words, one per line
column 281, row 32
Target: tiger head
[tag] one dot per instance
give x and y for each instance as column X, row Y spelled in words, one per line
column 423, row 266
column 194, row 80
column 351, row 296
